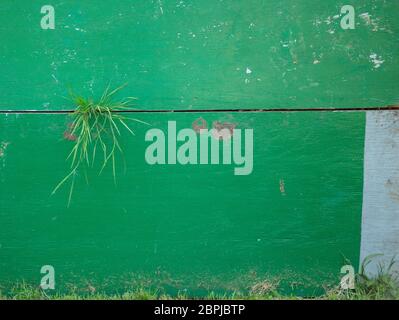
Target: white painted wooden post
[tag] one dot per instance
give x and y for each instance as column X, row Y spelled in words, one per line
column 380, row 217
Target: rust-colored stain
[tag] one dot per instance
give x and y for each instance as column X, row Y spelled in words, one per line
column 199, row 125
column 68, row 133
column 221, row 132
column 220, row 127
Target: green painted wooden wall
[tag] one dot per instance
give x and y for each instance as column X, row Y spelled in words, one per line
column 298, row 212
column 298, row 215
column 201, row 54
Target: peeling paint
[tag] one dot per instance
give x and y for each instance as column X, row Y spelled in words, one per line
column 3, row 148
column 282, row 187
column 376, row 60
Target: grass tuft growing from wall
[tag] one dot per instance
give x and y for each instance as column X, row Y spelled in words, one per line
column 95, row 130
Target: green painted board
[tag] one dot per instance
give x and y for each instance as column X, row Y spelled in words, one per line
column 199, row 227
column 193, row 227
column 201, row 54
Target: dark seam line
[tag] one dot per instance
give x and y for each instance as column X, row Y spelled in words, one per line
column 388, row 108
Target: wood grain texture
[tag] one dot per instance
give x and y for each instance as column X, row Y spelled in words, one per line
column 207, row 54
column 380, row 218
column 298, row 212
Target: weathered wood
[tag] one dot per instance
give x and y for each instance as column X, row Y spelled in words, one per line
column 380, row 218
column 201, row 54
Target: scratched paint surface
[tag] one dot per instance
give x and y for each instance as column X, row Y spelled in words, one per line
column 201, row 54
column 299, row 211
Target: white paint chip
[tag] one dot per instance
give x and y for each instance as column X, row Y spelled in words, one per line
column 376, row 60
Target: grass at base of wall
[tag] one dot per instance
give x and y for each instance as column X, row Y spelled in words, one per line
column 376, row 289
column 382, row 286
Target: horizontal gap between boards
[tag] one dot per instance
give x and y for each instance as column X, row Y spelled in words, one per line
column 387, row 108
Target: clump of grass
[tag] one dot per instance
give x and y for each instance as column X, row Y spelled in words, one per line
column 383, row 285
column 264, row 287
column 96, row 128
column 140, row 294
column 24, row 291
